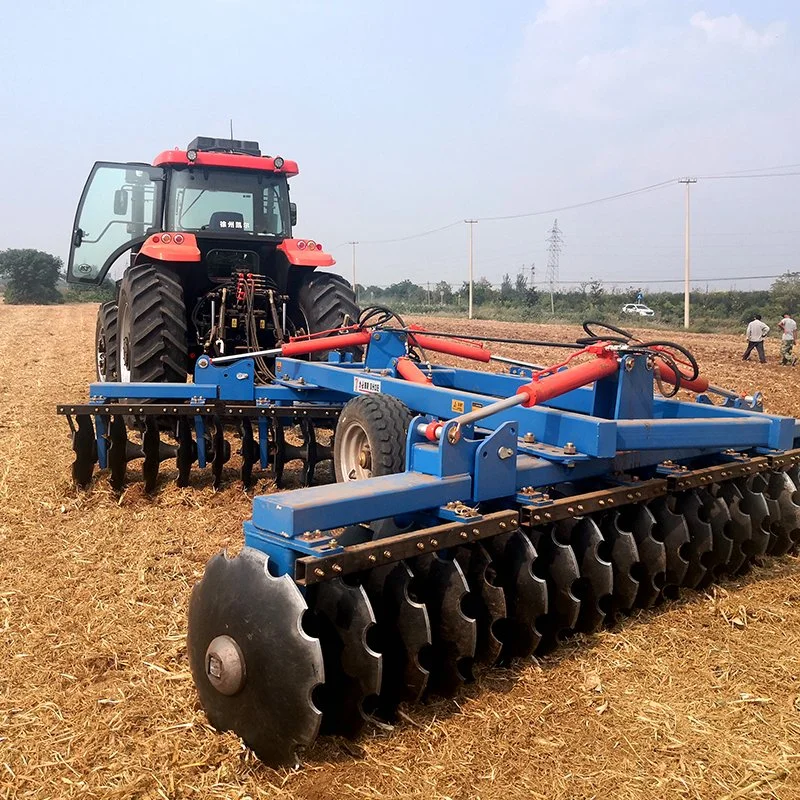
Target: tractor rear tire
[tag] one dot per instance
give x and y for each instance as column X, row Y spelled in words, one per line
column 152, row 336
column 370, row 438
column 106, row 346
column 325, row 301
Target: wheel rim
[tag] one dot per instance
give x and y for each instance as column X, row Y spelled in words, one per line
column 124, row 356
column 355, row 453
column 101, row 357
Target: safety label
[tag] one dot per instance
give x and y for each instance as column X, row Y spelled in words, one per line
column 366, row 385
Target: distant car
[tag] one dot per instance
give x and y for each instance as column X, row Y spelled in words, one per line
column 638, row 308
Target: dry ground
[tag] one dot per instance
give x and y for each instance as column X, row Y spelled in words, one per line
column 698, row 700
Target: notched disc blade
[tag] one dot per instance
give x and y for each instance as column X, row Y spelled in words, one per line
column 625, row 563
column 596, row 583
column 526, row 594
column 785, row 517
column 488, row 601
column 119, row 452
column 85, row 446
column 352, row 669
column 672, row 529
column 151, row 442
column 273, row 711
column 739, row 529
column 443, row 588
column 698, row 549
column 754, row 504
column 405, row 635
column 250, row 452
column 652, row 568
column 222, row 453
column 186, row 454
column 718, row 516
column 559, row 567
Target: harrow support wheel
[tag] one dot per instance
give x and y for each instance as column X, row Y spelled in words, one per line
column 370, row 438
column 254, row 666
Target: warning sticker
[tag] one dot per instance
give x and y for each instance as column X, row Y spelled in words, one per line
column 366, row 385
column 457, row 406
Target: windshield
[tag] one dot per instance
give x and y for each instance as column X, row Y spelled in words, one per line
column 228, row 201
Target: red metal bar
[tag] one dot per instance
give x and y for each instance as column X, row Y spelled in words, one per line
column 568, row 379
column 304, row 347
column 407, row 369
column 699, row 384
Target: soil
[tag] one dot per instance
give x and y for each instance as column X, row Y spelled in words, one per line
column 699, row 699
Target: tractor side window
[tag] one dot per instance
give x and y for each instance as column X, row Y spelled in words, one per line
column 120, row 205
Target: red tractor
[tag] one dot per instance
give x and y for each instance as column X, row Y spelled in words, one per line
column 213, row 266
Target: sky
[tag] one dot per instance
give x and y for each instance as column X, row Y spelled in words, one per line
column 409, row 117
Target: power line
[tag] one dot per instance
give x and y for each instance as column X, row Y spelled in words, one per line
column 605, row 199
column 759, row 175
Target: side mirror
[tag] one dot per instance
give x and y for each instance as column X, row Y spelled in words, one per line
column 293, row 213
column 77, row 237
column 120, row 202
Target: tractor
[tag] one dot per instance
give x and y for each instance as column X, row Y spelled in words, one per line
column 212, row 266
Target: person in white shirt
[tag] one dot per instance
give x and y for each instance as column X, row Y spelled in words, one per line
column 756, row 333
column 788, row 340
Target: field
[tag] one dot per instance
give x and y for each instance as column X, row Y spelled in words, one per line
column 700, row 699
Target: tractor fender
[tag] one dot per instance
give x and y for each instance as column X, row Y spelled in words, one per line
column 154, row 249
column 299, row 254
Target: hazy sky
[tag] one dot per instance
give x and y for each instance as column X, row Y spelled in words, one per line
column 408, row 116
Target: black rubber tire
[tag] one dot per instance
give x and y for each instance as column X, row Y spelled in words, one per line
column 105, row 343
column 385, row 420
column 151, row 298
column 325, row 301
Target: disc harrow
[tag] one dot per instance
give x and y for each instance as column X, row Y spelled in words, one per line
column 481, row 519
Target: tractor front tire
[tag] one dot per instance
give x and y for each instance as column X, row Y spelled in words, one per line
column 106, row 346
column 152, row 336
column 325, row 301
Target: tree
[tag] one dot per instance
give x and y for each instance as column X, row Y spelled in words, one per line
column 786, row 292
column 32, row 276
column 507, row 290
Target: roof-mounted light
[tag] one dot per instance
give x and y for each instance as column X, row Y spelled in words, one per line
column 278, row 162
column 191, row 154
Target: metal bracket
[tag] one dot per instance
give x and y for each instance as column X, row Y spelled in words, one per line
column 358, row 557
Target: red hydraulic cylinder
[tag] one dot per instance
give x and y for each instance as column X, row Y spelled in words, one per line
column 565, row 381
column 699, row 384
column 451, row 347
column 305, row 346
column 407, row 369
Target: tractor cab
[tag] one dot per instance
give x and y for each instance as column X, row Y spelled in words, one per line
column 217, row 194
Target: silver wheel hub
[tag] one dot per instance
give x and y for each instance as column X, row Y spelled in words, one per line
column 225, row 665
column 356, row 454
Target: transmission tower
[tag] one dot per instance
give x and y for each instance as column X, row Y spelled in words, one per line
column 554, row 243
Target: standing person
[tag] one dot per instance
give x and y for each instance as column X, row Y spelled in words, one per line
column 788, row 340
column 640, row 297
column 756, row 333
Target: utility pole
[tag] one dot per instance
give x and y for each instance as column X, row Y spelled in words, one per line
column 471, row 223
column 355, row 285
column 554, row 242
column 686, row 253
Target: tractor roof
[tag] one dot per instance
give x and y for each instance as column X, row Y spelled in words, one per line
column 206, row 151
